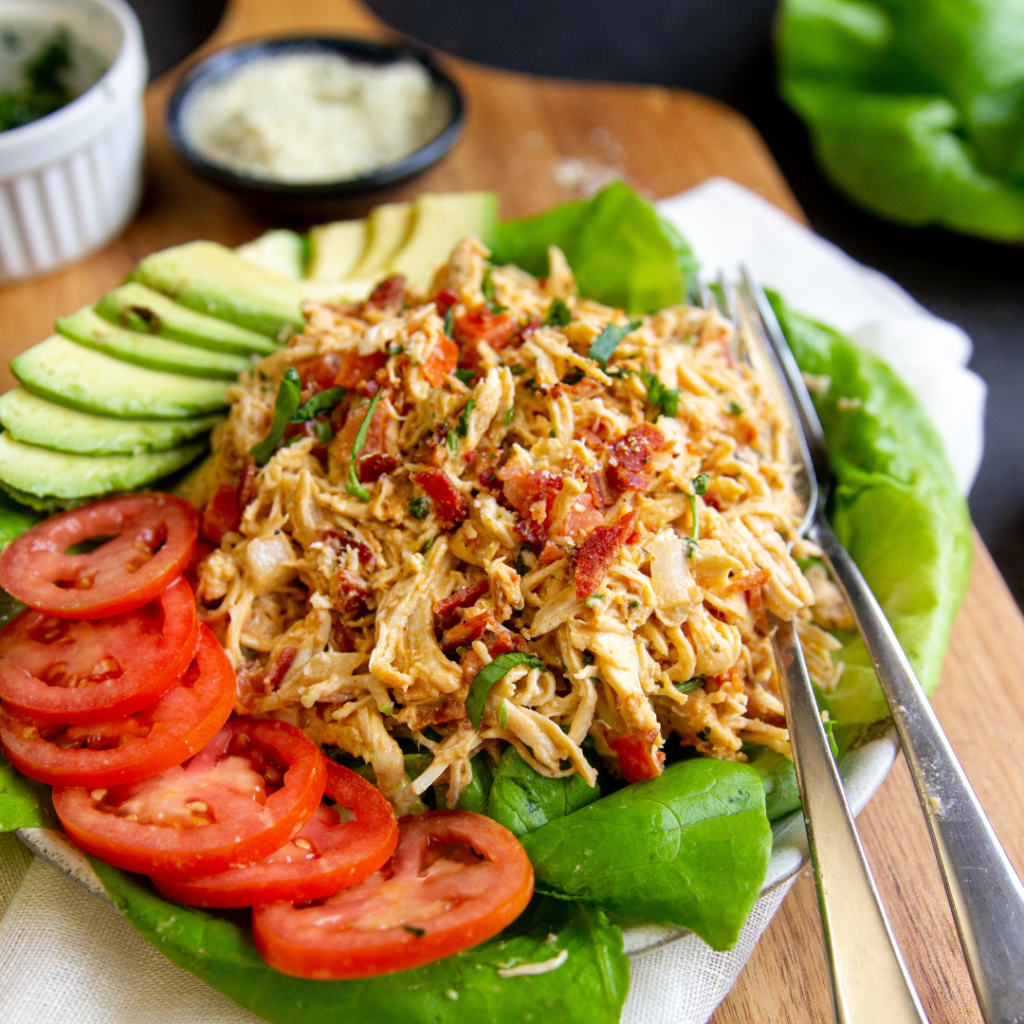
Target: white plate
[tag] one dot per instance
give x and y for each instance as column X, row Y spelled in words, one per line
column 863, row 770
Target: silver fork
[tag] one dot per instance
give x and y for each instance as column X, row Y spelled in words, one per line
column 869, row 979
column 984, row 892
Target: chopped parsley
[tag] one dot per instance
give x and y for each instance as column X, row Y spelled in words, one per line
column 465, row 375
column 604, row 345
column 700, row 484
column 449, row 322
column 286, row 404
column 690, row 685
column 574, row 376
column 487, row 287
column 588, row 658
column 634, row 604
column 502, row 714
column 521, row 567
column 419, row 507
column 353, row 486
column 558, row 314
column 703, row 734
column 661, row 397
column 594, row 600
column 452, row 442
column 517, row 369
column 429, row 544
column 463, row 428
column 508, row 416
column 735, row 409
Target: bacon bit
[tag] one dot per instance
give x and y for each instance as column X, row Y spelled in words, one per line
column 450, row 504
column 638, row 757
column 480, row 324
column 352, row 594
column 355, row 369
column 497, row 639
column 247, row 488
column 447, row 606
column 597, row 552
column 471, row 663
column 372, row 467
column 488, row 480
column 278, row 668
column 629, row 456
column 222, row 515
column 386, row 298
column 433, row 712
column 528, row 329
column 444, row 300
column 533, row 533
column 750, row 580
column 341, row 542
column 199, row 555
column 598, row 489
column 551, row 553
column 443, row 358
column 434, row 448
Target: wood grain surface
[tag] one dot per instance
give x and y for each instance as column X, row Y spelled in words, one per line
column 537, row 142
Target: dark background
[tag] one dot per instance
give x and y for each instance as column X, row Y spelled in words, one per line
column 723, row 48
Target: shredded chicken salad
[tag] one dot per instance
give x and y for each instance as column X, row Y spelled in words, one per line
column 611, row 498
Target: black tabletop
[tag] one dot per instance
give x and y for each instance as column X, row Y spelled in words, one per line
column 724, row 50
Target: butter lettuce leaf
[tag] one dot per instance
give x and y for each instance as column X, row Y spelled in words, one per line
column 916, row 111
column 588, row 988
column 23, row 803
column 896, row 508
column 689, row 848
column 621, row 251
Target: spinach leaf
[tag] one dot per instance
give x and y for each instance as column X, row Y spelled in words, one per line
column 476, row 795
column 476, row 699
column 589, row 988
column 896, row 508
column 661, row 397
column 603, row 347
column 318, row 404
column 688, row 848
column 23, row 803
column 286, row 404
column 778, row 775
column 522, row 799
column 616, row 244
column 15, row 519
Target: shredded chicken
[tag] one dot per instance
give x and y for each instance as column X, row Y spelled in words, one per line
column 628, row 520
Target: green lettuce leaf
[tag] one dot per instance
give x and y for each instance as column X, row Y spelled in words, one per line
column 23, row 803
column 896, row 508
column 522, row 799
column 689, row 848
column 589, row 988
column 621, row 251
column 15, row 519
column 915, row 110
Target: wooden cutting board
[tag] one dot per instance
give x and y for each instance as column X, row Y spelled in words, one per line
column 537, row 142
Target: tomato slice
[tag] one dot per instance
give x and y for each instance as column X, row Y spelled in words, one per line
column 328, row 855
column 82, row 671
column 125, row 749
column 151, row 542
column 245, row 794
column 455, row 879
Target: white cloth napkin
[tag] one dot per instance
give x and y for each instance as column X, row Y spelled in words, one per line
column 65, row 957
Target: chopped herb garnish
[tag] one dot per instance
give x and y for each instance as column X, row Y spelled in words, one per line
column 594, row 600
column 521, row 567
column 476, row 699
column 691, row 546
column 508, row 416
column 465, row 375
column 412, row 930
column 588, row 658
column 558, row 314
column 318, row 405
column 700, row 484
column 573, row 376
column 453, row 442
column 429, row 544
column 703, row 734
column 449, row 321
column 487, row 287
column 386, row 709
column 551, row 433
column 286, row 404
column 502, row 714
column 516, row 369
column 395, row 350
column 354, row 487
column 463, row 428
column 634, row 604
column 432, row 734
column 690, row 685
column 324, row 433
column 531, row 384
column 604, row 345
column 419, row 507
column 735, row 409
column 661, row 397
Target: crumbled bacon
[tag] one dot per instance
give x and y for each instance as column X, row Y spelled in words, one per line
column 752, row 582
column 628, row 457
column 222, row 515
column 450, row 504
column 442, row 359
column 444, row 300
column 352, row 593
column 386, row 298
column 278, row 667
column 598, row 551
column 247, row 487
column 481, row 325
column 432, row 712
column 483, row 626
column 638, row 756
column 341, row 542
column 463, row 598
column 372, row 467
column 597, row 487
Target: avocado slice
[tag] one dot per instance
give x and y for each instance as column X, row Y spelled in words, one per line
column 87, row 328
column 141, row 309
column 282, row 251
column 388, row 227
column 440, row 220
column 335, row 249
column 36, row 421
column 213, row 279
column 78, row 377
column 44, row 479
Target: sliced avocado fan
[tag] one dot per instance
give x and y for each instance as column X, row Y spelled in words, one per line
column 335, row 249
column 282, row 251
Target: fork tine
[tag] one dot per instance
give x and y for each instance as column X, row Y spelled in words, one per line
column 792, row 375
column 702, row 294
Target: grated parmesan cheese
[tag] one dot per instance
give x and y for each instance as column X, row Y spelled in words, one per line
column 313, row 117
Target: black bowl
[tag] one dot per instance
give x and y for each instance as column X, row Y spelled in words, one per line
column 319, row 199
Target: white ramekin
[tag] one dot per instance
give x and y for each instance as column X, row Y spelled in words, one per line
column 72, row 180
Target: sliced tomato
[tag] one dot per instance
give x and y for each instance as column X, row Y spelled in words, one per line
column 125, row 749
column 222, row 514
column 81, row 671
column 638, row 756
column 151, row 537
column 455, row 879
column 328, row 855
column 243, row 796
